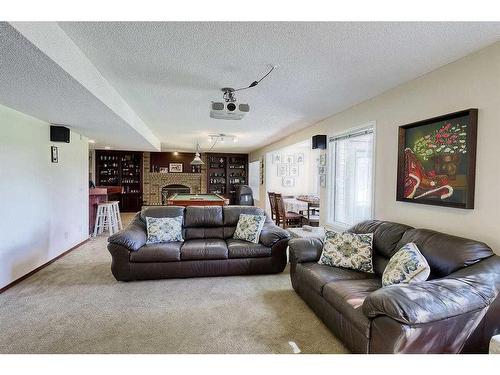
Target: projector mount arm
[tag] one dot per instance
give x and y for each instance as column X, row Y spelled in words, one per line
column 229, row 91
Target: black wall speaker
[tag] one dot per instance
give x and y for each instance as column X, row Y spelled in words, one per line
column 319, row 141
column 59, row 134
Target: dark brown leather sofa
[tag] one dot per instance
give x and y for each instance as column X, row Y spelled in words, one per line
column 456, row 310
column 208, row 248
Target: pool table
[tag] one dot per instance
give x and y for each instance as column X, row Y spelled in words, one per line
column 181, row 199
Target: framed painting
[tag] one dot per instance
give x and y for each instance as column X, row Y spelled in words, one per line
column 322, row 160
column 261, row 171
column 282, row 170
column 276, row 158
column 175, row 167
column 322, row 180
column 288, row 182
column 437, row 160
column 293, row 170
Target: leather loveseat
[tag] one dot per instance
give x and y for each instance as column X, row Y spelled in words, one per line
column 207, row 250
column 455, row 310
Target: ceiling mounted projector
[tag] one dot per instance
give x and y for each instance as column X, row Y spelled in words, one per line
column 230, row 109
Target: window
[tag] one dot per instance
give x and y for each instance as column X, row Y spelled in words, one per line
column 254, row 178
column 351, row 178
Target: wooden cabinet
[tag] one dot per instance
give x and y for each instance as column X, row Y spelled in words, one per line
column 121, row 168
column 224, row 172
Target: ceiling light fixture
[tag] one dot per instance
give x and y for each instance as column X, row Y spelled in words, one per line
column 107, row 148
column 197, row 159
column 222, row 138
column 176, row 153
column 91, row 141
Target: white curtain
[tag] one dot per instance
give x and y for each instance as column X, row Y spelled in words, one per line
column 351, row 186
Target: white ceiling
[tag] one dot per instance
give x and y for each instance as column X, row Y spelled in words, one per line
column 34, row 84
column 167, row 73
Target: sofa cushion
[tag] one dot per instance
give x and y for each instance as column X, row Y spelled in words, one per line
column 249, row 227
column 347, row 297
column 164, row 229
column 445, row 253
column 203, row 222
column 210, row 248
column 202, row 233
column 386, row 235
column 232, row 213
column 203, row 217
column 157, row 252
column 348, row 250
column 407, row 265
column 161, row 211
column 244, row 249
column 318, row 275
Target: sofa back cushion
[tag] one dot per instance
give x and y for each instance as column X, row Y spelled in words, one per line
column 232, row 215
column 203, row 222
column 161, row 211
column 445, row 253
column 386, row 236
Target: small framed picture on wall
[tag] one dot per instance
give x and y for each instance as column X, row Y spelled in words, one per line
column 322, row 160
column 175, row 167
column 282, row 170
column 54, row 154
column 322, row 181
column 288, row 182
column 261, row 171
column 293, row 170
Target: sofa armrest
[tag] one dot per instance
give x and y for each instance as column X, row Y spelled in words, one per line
column 132, row 237
column 304, row 250
column 431, row 301
column 271, row 234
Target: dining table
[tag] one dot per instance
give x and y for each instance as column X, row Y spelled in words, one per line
column 301, row 205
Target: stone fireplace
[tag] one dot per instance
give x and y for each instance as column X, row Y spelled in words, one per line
column 155, row 184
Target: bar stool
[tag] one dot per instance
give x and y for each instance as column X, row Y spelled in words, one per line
column 108, row 218
column 116, row 209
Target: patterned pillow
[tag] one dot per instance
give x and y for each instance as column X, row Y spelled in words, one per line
column 249, row 227
column 164, row 229
column 407, row 265
column 348, row 250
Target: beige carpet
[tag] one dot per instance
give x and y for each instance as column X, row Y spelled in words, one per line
column 76, row 306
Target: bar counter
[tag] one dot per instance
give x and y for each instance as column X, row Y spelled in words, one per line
column 98, row 195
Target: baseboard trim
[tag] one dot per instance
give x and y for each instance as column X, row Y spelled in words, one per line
column 41, row 267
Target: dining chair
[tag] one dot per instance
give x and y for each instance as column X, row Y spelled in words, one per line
column 284, row 218
column 273, row 206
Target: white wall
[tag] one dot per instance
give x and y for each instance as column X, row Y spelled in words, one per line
column 305, row 183
column 44, row 204
column 471, row 82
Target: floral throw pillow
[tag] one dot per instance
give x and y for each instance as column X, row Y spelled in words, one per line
column 407, row 265
column 249, row 227
column 164, row 229
column 348, row 250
